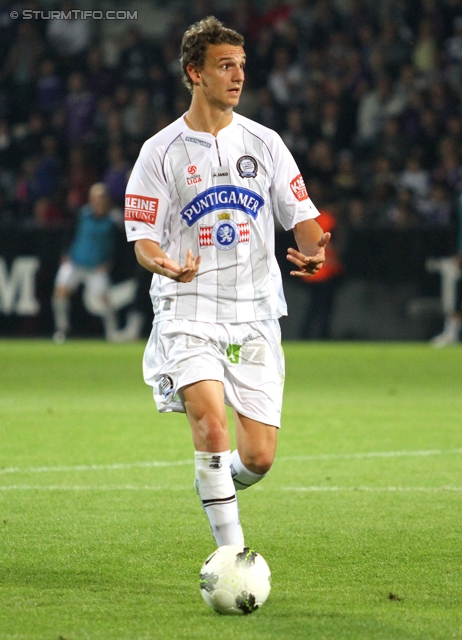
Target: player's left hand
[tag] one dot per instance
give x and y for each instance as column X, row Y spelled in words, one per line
column 309, row 265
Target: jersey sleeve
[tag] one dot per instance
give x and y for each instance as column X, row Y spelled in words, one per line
column 147, row 197
column 290, row 199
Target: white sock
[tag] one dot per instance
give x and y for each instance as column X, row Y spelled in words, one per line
column 242, row 477
column 61, row 308
column 218, row 495
column 452, row 326
column 109, row 322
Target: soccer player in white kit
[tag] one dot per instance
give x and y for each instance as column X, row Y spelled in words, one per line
column 199, row 206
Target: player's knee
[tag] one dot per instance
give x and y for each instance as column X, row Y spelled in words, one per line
column 210, row 430
column 260, row 462
column 60, row 293
column 95, row 303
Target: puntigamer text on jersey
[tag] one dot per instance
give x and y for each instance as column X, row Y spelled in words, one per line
column 219, row 197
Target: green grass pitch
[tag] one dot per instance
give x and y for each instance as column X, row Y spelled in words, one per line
column 360, row 519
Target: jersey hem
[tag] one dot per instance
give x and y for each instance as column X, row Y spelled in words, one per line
column 162, row 318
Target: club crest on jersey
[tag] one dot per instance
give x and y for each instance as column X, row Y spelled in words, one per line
column 221, row 197
column 247, row 167
column 192, row 177
column 225, row 234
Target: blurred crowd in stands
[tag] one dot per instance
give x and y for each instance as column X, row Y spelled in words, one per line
column 366, row 94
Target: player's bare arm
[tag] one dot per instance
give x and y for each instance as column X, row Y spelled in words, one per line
column 150, row 256
column 311, row 243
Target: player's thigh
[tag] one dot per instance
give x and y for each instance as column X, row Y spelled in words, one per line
column 256, row 443
column 96, row 291
column 97, row 283
column 67, row 278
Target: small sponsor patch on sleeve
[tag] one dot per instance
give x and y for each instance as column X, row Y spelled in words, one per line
column 141, row 208
column 299, row 188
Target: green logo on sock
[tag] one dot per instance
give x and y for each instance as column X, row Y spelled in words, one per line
column 232, row 353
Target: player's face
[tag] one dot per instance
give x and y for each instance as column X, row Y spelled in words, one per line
column 222, row 76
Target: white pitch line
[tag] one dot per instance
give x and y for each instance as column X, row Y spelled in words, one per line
column 99, row 467
column 372, row 454
column 57, row 487
column 129, row 487
column 371, row 489
column 176, row 463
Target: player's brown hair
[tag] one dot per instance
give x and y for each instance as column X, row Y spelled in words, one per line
column 196, row 40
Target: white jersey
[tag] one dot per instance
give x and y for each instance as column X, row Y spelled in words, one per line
column 217, row 196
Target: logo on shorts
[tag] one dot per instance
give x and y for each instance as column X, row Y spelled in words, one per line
column 299, row 188
column 233, row 353
column 167, row 387
column 248, row 353
column 247, row 167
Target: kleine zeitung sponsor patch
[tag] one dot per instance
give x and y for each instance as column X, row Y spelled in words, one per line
column 141, row 208
column 299, row 188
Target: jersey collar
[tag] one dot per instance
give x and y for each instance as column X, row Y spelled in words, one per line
column 209, row 136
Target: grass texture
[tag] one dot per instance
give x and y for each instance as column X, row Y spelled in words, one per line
column 102, row 536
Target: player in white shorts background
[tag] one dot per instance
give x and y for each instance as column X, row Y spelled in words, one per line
column 200, row 207
column 88, row 263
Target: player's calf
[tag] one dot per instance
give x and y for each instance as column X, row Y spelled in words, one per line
column 243, row 477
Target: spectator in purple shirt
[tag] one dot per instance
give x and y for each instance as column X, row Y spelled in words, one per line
column 49, row 92
column 116, row 176
column 48, row 167
column 80, row 109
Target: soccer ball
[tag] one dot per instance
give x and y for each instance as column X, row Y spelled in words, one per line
column 235, row 580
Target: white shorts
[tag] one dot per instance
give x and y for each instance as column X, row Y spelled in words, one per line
column 247, row 358
column 96, row 282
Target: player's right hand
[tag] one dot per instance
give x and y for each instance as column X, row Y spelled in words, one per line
column 173, row 270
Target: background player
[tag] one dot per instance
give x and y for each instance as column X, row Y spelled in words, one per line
column 211, row 182
column 453, row 307
column 88, row 263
